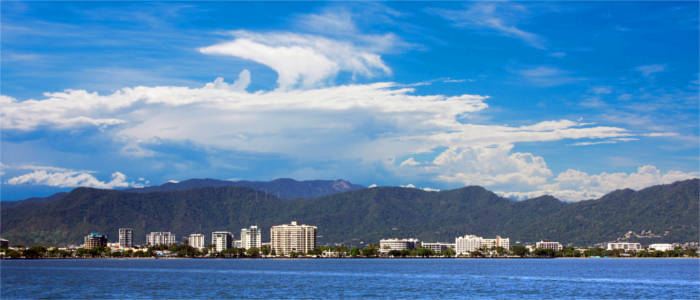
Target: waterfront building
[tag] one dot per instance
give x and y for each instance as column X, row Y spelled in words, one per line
column 251, row 237
column 160, row 238
column 661, row 247
column 4, row 243
column 437, row 247
column 291, row 237
column 467, row 243
column 196, row 240
column 625, row 246
column 547, row 244
column 237, row 244
column 497, row 242
column 386, row 245
column 126, row 237
column 95, row 240
column 221, row 240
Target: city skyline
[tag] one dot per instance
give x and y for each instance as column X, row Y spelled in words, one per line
column 426, row 95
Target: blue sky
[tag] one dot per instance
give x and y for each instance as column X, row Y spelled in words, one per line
column 569, row 99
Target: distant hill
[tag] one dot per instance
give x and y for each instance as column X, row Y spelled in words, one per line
column 56, row 196
column 367, row 215
column 284, row 188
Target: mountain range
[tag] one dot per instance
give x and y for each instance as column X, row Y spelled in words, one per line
column 667, row 213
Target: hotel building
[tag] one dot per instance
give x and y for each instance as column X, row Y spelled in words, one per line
column 222, row 240
column 547, row 244
column 160, row 238
column 94, row 240
column 126, row 237
column 467, row 243
column 289, row 238
column 437, row 247
column 251, row 237
column 387, row 245
column 196, row 240
column 625, row 246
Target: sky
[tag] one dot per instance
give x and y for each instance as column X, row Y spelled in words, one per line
column 572, row 99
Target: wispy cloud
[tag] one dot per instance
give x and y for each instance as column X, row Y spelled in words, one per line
column 547, row 76
column 650, row 70
column 501, row 18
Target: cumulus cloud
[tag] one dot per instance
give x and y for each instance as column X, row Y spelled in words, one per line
column 574, row 185
column 68, row 178
column 303, row 60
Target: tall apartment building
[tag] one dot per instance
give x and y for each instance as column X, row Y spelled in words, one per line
column 289, row 238
column 625, row 246
column 222, row 240
column 196, row 240
column 467, row 243
column 126, row 237
column 547, row 244
column 94, row 240
column 386, row 245
column 251, row 237
column 160, row 238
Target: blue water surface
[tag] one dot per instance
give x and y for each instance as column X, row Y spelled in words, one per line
column 351, row 278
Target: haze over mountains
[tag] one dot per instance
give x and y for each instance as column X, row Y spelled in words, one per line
column 354, row 216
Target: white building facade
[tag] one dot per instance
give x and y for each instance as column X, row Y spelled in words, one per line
column 221, row 240
column 467, row 243
column 251, row 237
column 196, row 240
column 438, row 247
column 547, row 244
column 288, row 238
column 661, row 247
column 627, row 247
column 386, row 245
column 126, row 237
column 160, row 238
column 497, row 242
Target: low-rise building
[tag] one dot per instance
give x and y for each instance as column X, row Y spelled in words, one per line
column 160, row 238
column 547, row 244
column 4, row 243
column 196, row 240
column 438, row 247
column 221, row 240
column 387, row 245
column 95, row 240
column 661, row 247
column 497, row 242
column 626, row 247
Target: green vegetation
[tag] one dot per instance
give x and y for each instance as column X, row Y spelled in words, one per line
column 368, row 214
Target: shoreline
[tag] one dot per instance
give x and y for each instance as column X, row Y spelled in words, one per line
column 324, row 258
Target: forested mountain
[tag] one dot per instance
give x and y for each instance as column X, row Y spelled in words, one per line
column 670, row 211
column 284, row 188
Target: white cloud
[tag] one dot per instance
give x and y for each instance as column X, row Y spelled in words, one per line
column 303, row 60
column 547, row 76
column 410, row 162
column 650, row 70
column 68, row 178
column 501, row 18
column 573, row 185
column 599, row 90
column 371, row 186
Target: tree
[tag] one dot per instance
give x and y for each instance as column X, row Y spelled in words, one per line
column 265, row 249
column 425, row 252
column 355, row 252
column 369, row 252
column 253, row 252
column 520, row 251
column 293, row 254
column 35, row 252
column 449, row 252
column 539, row 252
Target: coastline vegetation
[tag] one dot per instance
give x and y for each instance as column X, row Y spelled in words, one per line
column 371, row 251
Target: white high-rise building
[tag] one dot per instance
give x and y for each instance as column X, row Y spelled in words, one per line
column 160, row 238
column 196, row 240
column 221, row 240
column 289, row 238
column 251, row 237
column 126, row 237
column 467, row 243
column 386, row 245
